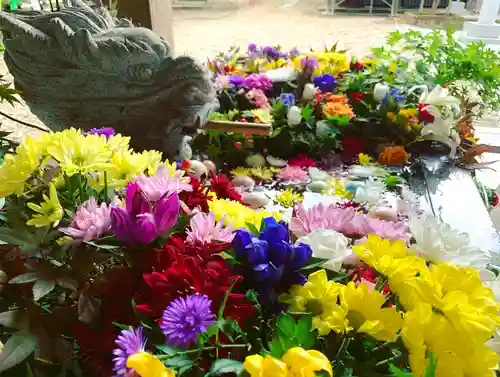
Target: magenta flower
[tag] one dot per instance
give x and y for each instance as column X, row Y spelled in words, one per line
column 142, row 221
column 294, row 174
column 162, row 183
column 346, row 221
column 204, row 229
column 258, row 81
column 90, row 222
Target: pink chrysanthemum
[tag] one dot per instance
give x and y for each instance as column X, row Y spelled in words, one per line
column 346, row 221
column 293, row 173
column 90, row 222
column 204, row 229
column 162, row 183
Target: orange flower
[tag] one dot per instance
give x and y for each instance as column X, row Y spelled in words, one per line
column 474, row 151
column 338, row 98
column 393, row 155
column 337, row 109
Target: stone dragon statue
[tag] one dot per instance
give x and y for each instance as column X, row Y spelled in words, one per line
column 78, row 67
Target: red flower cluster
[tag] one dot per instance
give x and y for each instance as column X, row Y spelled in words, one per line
column 352, row 147
column 357, row 66
column 302, row 161
column 363, row 272
column 423, row 114
column 196, row 198
column 180, row 269
column 223, row 187
column 356, row 97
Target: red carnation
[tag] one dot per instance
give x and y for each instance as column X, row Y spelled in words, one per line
column 196, row 198
column 302, row 161
column 352, row 147
column 190, row 273
column 423, row 114
column 364, row 273
column 356, row 97
column 357, row 66
column 223, row 188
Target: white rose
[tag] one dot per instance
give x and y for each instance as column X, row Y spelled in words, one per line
column 309, row 92
column 380, row 91
column 294, row 116
column 328, row 244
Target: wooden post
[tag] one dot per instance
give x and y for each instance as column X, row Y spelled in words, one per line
column 153, row 14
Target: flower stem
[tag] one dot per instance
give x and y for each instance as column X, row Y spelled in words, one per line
column 211, row 348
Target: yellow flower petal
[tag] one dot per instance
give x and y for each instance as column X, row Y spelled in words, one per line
column 147, row 365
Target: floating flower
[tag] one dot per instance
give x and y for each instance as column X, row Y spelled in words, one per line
column 330, row 245
column 105, row 131
column 142, row 221
column 49, row 212
column 302, row 160
column 393, row 155
column 364, row 159
column 204, row 229
column 293, row 174
column 288, row 198
column 296, row 362
column 186, row 318
column 129, row 342
column 166, row 181
column 90, row 222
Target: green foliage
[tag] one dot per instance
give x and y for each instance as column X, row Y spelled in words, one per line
column 441, row 59
column 290, row 333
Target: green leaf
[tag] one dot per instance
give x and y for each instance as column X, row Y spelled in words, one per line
column 396, row 372
column 287, row 325
column 42, row 288
column 24, row 278
column 168, row 350
column 18, row 237
column 223, row 366
column 252, row 228
column 121, row 326
column 313, row 264
column 276, row 131
column 16, row 350
column 303, row 332
column 178, row 362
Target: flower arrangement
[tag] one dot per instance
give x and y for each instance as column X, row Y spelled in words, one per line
column 116, row 263
column 320, row 101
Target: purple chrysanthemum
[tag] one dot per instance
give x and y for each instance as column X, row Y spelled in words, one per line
column 185, row 318
column 106, row 131
column 129, row 342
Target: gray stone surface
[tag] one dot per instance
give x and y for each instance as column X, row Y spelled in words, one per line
column 79, row 68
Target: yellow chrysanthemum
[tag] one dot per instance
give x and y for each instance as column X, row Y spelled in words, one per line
column 17, row 168
column 240, row 171
column 274, row 64
column 365, row 312
column 238, row 214
column 427, row 331
column 118, row 143
column 364, row 159
column 328, row 62
column 297, row 362
column 288, row 198
column 49, row 212
column 147, row 365
column 262, row 173
column 318, row 296
column 77, row 153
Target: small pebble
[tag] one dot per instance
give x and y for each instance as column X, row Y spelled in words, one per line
column 317, row 186
column 255, row 199
column 243, row 181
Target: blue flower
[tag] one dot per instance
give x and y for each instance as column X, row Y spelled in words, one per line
column 288, row 99
column 396, row 97
column 271, row 261
column 325, row 83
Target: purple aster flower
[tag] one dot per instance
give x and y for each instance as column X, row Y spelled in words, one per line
column 325, row 83
column 129, row 342
column 271, row 52
column 294, row 52
column 309, row 63
column 185, row 318
column 258, row 81
column 106, row 131
column 237, row 80
column 252, row 47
